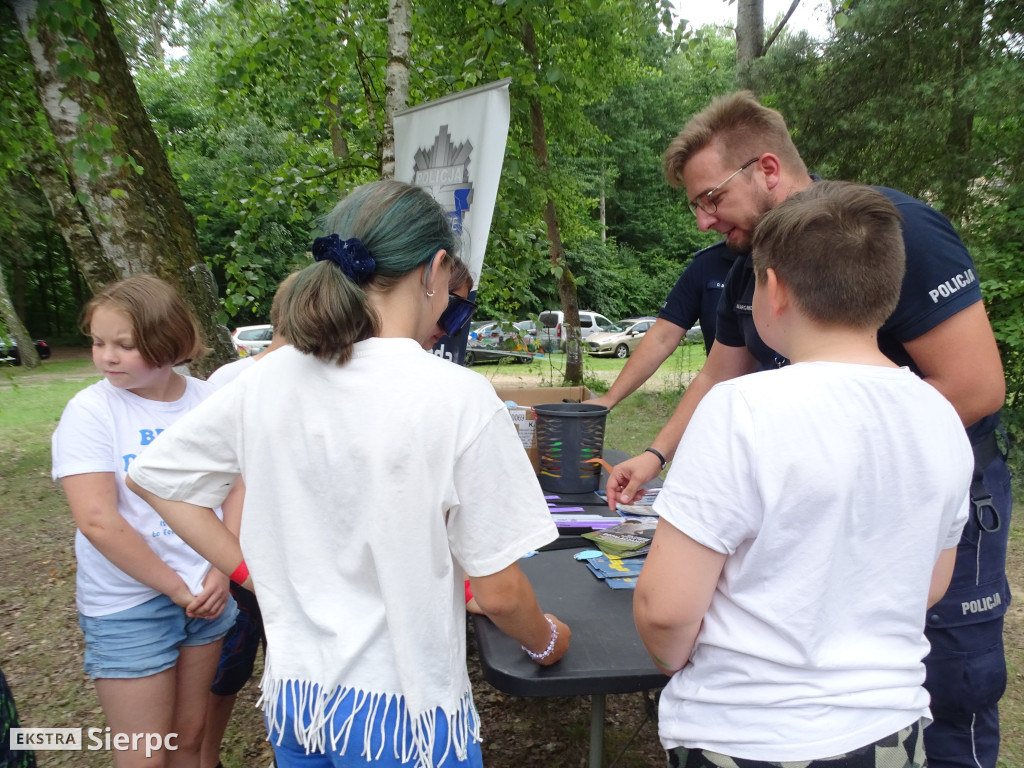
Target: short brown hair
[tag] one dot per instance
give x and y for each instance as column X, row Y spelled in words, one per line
column 163, row 328
column 838, row 247
column 282, row 296
column 459, row 277
column 741, row 127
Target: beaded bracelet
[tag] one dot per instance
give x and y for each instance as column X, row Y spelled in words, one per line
column 551, row 646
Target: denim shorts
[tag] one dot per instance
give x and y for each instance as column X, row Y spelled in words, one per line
column 144, row 640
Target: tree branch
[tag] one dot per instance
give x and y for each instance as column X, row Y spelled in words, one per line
column 778, row 30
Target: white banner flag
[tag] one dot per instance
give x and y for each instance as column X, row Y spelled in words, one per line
column 454, row 147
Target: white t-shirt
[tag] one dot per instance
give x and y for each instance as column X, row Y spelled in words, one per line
column 231, row 371
column 103, row 429
column 832, row 488
column 370, row 488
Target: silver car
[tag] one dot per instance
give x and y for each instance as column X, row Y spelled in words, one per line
column 619, row 340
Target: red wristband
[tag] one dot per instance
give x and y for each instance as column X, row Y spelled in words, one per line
column 241, row 574
column 469, row 591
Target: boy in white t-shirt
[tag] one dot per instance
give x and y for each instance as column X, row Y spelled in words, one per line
column 787, row 585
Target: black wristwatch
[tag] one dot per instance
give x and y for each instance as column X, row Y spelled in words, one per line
column 657, row 453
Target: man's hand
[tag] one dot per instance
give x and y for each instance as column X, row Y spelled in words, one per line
column 625, row 479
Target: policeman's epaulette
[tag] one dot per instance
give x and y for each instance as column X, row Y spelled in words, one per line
column 712, row 247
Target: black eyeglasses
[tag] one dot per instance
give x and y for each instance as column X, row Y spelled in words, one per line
column 456, row 315
column 705, row 202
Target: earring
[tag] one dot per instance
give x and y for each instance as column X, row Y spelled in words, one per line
column 430, row 294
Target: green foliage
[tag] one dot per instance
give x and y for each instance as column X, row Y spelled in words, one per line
column 146, row 28
column 621, row 282
column 277, row 109
column 586, row 67
column 254, row 183
column 999, row 252
column 42, row 279
column 639, row 121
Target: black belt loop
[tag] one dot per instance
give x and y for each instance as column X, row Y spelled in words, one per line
column 984, row 509
column 985, row 452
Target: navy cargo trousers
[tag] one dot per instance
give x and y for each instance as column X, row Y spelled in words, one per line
column 966, row 668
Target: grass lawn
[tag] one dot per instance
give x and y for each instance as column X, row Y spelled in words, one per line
column 41, row 647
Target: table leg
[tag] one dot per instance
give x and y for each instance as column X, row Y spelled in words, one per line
column 597, row 730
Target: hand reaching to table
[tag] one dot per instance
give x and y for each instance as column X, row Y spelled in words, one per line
column 625, row 480
column 561, row 645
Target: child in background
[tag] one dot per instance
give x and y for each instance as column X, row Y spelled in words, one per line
column 459, row 310
column 375, row 476
column 153, row 611
column 229, row 372
column 238, row 654
column 786, row 591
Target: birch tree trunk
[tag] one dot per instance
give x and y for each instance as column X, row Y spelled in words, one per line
column 126, row 212
column 749, row 36
column 396, row 78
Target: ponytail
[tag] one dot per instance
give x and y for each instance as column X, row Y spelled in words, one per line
column 374, row 237
column 327, row 313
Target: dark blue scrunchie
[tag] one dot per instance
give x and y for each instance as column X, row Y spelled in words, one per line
column 351, row 255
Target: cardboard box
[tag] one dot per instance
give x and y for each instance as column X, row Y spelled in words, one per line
column 523, row 416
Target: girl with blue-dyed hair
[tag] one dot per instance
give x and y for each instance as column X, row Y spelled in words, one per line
column 376, row 474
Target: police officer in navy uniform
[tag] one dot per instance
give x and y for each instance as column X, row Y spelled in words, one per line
column 736, row 161
column 693, row 298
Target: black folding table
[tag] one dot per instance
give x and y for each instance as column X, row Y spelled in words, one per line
column 605, row 655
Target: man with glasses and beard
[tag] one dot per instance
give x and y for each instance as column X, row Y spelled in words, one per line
column 736, row 161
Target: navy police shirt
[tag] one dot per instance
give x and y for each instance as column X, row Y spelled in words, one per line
column 697, row 291
column 940, row 281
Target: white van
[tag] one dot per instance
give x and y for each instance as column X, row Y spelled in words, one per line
column 551, row 335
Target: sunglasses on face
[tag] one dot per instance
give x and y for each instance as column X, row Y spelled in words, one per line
column 456, row 315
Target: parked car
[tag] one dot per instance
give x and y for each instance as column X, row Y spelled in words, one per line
column 481, row 353
column 496, row 340
column 694, row 335
column 493, row 329
column 550, row 332
column 10, row 355
column 252, row 339
column 527, row 328
column 621, row 339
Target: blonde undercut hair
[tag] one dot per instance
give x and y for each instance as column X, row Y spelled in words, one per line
column 740, row 127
